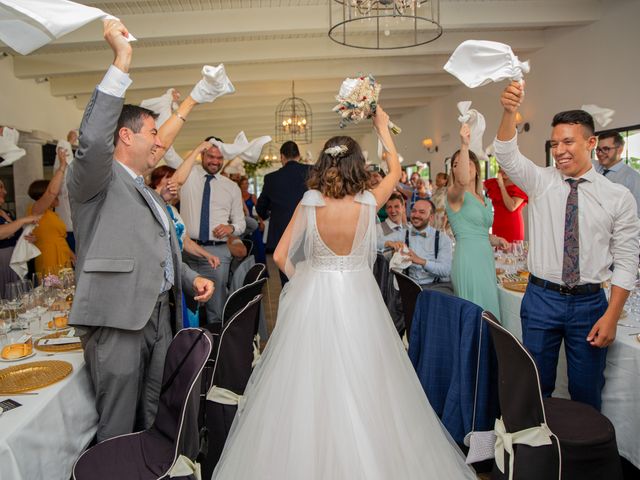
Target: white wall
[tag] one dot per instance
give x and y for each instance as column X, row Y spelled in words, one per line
column 27, row 105
column 597, row 63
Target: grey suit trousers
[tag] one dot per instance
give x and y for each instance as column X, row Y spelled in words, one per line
column 219, row 275
column 126, row 368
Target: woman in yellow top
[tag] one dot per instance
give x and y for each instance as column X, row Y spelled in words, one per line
column 51, row 233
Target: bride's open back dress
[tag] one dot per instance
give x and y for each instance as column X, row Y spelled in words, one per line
column 334, row 395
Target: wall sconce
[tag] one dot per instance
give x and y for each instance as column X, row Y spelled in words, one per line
column 521, row 125
column 428, row 144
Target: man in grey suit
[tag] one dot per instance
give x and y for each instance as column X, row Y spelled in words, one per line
column 610, row 164
column 128, row 258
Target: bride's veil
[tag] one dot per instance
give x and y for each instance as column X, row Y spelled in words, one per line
column 301, row 244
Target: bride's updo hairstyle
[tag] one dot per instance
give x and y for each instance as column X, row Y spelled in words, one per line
column 340, row 169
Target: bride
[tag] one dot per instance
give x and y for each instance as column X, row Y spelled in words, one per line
column 334, row 395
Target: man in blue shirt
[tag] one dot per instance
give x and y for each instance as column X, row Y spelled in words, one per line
column 430, row 252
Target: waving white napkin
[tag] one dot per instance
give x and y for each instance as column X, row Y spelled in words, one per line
column 241, row 147
column 26, row 25
column 602, row 115
column 479, row 62
column 23, row 252
column 9, row 149
column 214, row 84
column 163, row 106
column 477, row 125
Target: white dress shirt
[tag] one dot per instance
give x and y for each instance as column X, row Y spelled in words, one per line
column 607, row 218
column 225, row 205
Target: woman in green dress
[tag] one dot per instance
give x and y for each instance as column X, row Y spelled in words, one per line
column 473, row 272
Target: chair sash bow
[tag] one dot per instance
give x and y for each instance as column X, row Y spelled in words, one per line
column 534, row 437
column 185, row 467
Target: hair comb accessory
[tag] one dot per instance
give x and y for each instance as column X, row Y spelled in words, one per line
column 336, row 150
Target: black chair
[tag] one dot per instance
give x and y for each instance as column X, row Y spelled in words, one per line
column 241, row 297
column 152, row 453
column 248, row 245
column 583, row 440
column 409, row 291
column 390, row 295
column 229, row 369
column 254, row 273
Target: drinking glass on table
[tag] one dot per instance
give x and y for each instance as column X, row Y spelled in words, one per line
column 5, row 323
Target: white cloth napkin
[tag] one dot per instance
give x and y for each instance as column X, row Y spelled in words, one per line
column 23, row 252
column 399, row 261
column 26, row 25
column 214, row 84
column 477, row 124
column 9, row 149
column 602, row 115
column 249, row 151
column 163, row 106
column 479, row 62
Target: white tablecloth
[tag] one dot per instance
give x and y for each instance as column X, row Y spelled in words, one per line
column 43, row 438
column 621, row 393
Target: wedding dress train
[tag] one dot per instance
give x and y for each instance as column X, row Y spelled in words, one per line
column 334, row 395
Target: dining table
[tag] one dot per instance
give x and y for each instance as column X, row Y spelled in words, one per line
column 43, row 437
column 621, row 392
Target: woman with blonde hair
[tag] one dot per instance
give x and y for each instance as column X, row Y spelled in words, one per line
column 334, row 395
column 473, row 272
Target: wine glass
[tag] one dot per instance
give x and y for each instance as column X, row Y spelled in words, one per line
column 5, row 322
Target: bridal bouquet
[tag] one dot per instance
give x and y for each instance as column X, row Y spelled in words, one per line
column 358, row 99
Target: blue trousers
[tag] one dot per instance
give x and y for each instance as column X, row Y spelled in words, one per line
column 548, row 318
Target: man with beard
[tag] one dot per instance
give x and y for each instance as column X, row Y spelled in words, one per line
column 610, row 164
column 212, row 209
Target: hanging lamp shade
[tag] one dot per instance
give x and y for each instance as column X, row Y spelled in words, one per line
column 384, row 24
column 293, row 119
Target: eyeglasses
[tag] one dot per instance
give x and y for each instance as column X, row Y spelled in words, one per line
column 605, row 150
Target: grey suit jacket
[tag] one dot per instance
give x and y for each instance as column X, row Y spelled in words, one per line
column 120, row 243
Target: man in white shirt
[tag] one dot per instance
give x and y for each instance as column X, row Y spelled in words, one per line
column 393, row 229
column 610, row 164
column 581, row 225
column 211, row 207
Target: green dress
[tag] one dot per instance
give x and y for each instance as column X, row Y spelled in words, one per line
column 473, row 272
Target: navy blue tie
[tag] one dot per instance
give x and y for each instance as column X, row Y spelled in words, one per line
column 204, row 210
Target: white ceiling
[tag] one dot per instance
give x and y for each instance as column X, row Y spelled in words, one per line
column 265, row 44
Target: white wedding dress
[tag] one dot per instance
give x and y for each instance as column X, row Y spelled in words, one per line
column 334, row 395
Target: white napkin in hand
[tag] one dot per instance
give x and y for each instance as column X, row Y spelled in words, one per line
column 399, row 261
column 26, row 25
column 604, row 116
column 163, row 106
column 477, row 125
column 214, row 84
column 9, row 149
column 23, row 252
column 479, row 62
column 241, row 147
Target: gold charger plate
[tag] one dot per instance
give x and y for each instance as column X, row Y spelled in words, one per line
column 57, row 348
column 515, row 286
column 32, row 375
